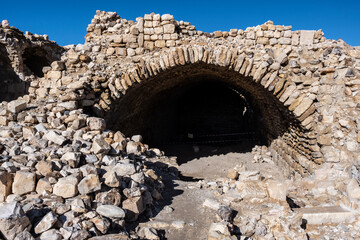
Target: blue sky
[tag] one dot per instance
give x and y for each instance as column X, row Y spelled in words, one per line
column 66, row 21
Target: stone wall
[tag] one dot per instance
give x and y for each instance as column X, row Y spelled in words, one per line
column 315, row 80
column 297, row 67
column 305, row 87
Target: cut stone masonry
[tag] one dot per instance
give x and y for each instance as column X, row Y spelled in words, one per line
column 66, row 128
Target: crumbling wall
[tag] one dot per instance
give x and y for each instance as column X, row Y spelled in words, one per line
column 23, row 57
column 306, row 88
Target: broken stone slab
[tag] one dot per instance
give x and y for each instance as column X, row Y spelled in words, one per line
column 16, row 106
column 46, row 223
column 326, row 215
column 13, row 220
column 54, row 137
column 110, row 211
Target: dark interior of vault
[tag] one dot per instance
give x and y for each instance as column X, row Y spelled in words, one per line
column 35, row 59
column 202, row 119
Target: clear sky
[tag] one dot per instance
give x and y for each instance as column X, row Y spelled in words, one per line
column 66, row 21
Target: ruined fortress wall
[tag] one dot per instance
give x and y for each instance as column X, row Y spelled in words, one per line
column 305, row 86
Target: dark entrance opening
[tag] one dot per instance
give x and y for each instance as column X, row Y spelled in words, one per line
column 11, row 85
column 203, row 118
column 35, row 59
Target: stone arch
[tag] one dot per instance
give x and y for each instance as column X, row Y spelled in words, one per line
column 291, row 141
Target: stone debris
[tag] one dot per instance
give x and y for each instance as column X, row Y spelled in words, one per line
column 65, row 175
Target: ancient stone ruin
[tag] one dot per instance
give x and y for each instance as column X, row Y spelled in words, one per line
column 84, row 131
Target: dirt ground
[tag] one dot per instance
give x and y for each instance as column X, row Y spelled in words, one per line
column 198, row 163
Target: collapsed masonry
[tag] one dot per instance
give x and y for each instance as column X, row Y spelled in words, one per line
column 304, row 89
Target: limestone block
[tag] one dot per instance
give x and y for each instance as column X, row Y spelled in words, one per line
column 134, row 207
column 325, row 139
column 43, row 185
column 160, row 43
column 24, row 182
column 326, row 215
column 52, row 234
column 262, row 40
column 71, row 158
column 100, row 146
column 140, row 24
column 303, row 106
column 124, row 169
column 88, row 184
column 149, row 31
column 54, row 75
column 148, row 24
column 169, row 28
column 159, row 30
column 96, row 124
column 3, row 121
column 66, row 187
column 149, row 45
column 284, row 41
column 54, row 137
column 58, row 65
column 276, row 190
column 250, row 35
column 232, row 174
column 16, row 106
column 167, row 17
column 148, row 17
column 111, row 179
column 306, row 37
column 121, row 51
column 44, row 167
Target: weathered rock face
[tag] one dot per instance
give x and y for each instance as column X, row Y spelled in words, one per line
column 60, row 150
